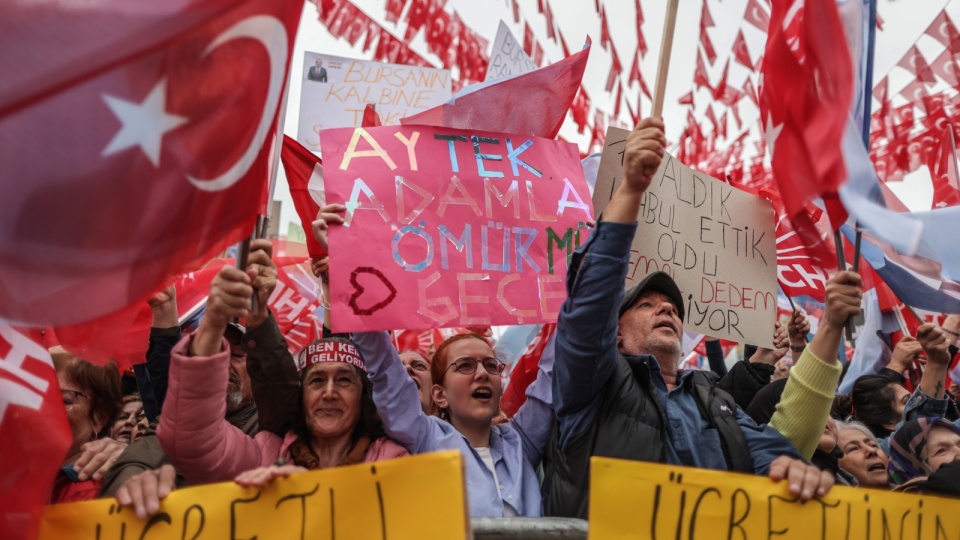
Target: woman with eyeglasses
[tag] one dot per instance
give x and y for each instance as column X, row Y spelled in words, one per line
column 91, row 397
column 501, row 460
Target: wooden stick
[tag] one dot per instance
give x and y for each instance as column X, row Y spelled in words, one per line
column 666, row 46
column 841, row 266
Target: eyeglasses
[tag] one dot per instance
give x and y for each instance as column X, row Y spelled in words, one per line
column 72, row 397
column 468, row 366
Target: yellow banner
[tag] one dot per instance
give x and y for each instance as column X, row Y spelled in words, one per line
column 632, row 499
column 413, row 497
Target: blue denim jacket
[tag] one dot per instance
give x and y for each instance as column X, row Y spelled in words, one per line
column 516, row 447
column 586, row 356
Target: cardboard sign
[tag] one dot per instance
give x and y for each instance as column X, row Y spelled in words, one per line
column 507, row 58
column 374, row 500
column 449, row 227
column 633, row 499
column 717, row 243
column 335, row 92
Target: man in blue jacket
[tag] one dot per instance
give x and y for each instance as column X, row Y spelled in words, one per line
column 617, row 391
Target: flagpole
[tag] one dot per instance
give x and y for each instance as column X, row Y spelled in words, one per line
column 867, row 105
column 666, row 45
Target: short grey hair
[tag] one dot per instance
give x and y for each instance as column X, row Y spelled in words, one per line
column 855, row 424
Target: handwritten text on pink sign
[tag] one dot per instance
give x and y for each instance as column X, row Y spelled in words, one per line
column 449, row 227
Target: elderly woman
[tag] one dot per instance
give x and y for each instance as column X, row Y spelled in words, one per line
column 922, row 446
column 131, row 422
column 91, row 397
column 337, row 423
column 862, row 456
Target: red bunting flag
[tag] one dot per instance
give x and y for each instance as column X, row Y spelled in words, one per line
column 580, row 109
column 943, row 171
column 33, row 428
column 805, row 104
column 915, row 92
column 305, row 177
column 706, row 20
column 750, row 91
column 701, row 78
column 686, row 99
column 943, row 30
column 636, row 75
column 604, row 30
column 417, row 16
column 709, row 115
column 756, row 15
column 736, row 115
column 722, row 132
column 528, row 39
column 151, row 91
column 721, row 89
column 707, row 46
column 563, row 44
column 914, row 62
column 945, row 66
column 741, row 53
column 731, row 96
column 394, row 9
column 551, row 31
column 617, row 100
column 616, row 68
column 537, row 54
column 641, row 44
column 639, row 14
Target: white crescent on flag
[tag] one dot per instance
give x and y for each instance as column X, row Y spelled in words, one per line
column 254, row 28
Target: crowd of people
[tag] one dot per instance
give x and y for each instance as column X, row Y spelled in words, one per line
column 231, row 403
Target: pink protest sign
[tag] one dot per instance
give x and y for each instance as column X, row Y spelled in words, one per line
column 449, row 227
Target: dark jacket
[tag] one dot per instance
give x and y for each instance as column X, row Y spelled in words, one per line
column 630, row 425
column 745, row 380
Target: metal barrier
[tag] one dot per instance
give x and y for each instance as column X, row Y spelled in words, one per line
column 529, row 528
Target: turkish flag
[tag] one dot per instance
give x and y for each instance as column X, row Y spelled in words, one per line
column 721, row 89
column 945, row 67
column 641, row 42
column 700, row 76
column 805, row 102
column 914, row 62
column 943, row 30
column 686, row 99
column 741, row 53
column 394, row 8
column 305, row 176
column 943, row 172
column 616, row 68
column 707, row 46
column 604, row 30
column 756, row 15
column 525, row 371
column 137, row 141
column 33, row 428
column 420, row 341
column 636, row 75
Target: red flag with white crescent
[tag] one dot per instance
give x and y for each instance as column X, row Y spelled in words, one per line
column 136, row 143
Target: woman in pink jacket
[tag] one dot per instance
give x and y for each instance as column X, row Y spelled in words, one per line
column 338, row 423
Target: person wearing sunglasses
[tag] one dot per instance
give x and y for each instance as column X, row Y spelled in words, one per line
column 501, row 460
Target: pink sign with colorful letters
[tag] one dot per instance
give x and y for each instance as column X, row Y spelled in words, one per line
column 449, row 227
